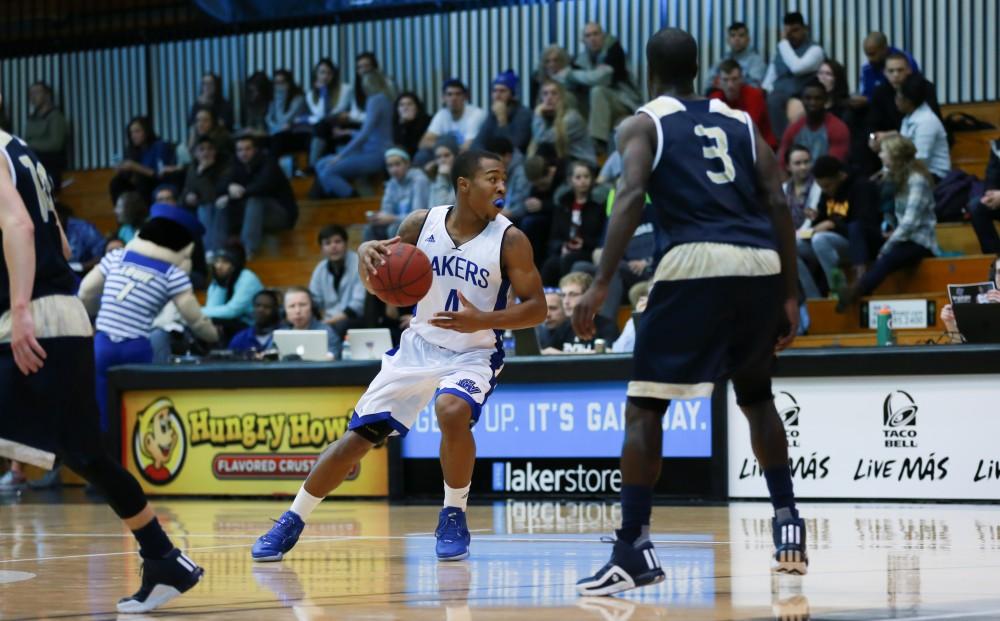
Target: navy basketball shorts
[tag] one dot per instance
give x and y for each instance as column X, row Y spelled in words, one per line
column 54, row 409
column 698, row 331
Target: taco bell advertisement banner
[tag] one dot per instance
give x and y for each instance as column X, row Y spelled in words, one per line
column 565, row 420
column 913, row 437
column 241, row 442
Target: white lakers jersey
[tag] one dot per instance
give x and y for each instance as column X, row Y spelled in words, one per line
column 472, row 268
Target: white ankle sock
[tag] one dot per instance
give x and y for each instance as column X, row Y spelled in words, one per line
column 457, row 498
column 304, row 503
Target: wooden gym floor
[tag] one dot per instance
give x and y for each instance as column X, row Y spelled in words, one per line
column 69, row 559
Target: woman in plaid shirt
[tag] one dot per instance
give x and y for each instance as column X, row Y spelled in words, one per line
column 910, row 226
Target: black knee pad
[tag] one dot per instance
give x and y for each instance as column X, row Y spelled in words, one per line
column 376, row 432
column 753, row 392
column 649, row 403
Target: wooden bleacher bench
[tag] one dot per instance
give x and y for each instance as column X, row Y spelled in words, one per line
column 971, row 150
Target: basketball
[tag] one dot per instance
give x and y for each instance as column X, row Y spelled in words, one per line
column 405, row 278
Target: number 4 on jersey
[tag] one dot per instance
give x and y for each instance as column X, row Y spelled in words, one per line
column 451, row 304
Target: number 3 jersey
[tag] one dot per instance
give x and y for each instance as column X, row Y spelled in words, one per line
column 704, row 183
column 53, row 275
column 474, row 269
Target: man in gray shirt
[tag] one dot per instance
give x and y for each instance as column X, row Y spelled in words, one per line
column 335, row 285
column 750, row 60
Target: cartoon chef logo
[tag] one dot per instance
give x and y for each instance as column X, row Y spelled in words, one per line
column 158, row 442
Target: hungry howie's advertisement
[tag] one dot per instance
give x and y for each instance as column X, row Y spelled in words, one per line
column 241, row 442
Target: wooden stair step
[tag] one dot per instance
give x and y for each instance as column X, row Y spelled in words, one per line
column 869, row 339
column 935, row 274
column 959, row 237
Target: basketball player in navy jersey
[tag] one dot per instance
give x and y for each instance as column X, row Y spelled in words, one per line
column 724, row 297
column 451, row 354
column 47, row 368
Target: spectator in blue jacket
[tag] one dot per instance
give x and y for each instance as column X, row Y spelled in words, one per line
column 229, row 301
column 85, row 242
column 144, row 160
column 507, row 118
column 266, row 318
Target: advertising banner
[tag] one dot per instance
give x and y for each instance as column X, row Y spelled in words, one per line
column 914, row 437
column 240, row 442
column 565, row 420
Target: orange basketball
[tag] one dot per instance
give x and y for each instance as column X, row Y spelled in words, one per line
column 405, row 278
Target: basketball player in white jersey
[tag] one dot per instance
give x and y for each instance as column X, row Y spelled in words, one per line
column 451, row 353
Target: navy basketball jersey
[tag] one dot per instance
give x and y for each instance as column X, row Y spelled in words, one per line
column 704, row 182
column 52, row 273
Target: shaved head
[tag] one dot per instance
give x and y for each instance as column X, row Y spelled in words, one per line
column 672, row 56
column 876, row 39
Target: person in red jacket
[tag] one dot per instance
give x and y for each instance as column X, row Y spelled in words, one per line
column 819, row 130
column 741, row 96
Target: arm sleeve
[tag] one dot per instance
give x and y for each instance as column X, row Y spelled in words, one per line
column 923, row 139
column 92, row 287
column 421, row 194
column 801, row 65
column 911, row 220
column 756, row 71
column 241, row 303
column 187, row 306
column 598, row 76
column 373, row 118
column 265, row 182
column 316, row 284
column 437, row 123
column 519, row 129
column 769, row 78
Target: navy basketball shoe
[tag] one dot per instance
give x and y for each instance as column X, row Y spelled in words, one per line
column 163, row 579
column 275, row 543
column 452, row 535
column 789, row 546
column 632, row 565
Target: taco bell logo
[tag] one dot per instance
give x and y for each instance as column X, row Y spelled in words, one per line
column 899, row 420
column 788, row 409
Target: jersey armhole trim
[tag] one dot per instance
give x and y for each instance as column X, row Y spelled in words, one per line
column 659, row 135
column 753, row 136
column 503, row 238
column 10, row 165
column 420, row 233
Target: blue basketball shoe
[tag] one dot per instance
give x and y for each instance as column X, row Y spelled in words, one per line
column 275, row 543
column 452, row 535
column 789, row 546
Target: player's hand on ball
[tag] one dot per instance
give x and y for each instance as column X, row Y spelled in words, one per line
column 28, row 353
column 586, row 308
column 469, row 319
column 373, row 253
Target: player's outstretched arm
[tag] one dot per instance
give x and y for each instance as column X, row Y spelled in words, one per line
column 518, row 263
column 19, row 254
column 773, row 200
column 636, row 140
column 371, row 254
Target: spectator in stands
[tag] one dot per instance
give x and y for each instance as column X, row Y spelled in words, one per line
column 752, row 65
column 742, row 96
column 992, row 297
column 987, row 210
column 167, row 194
column 883, row 114
column 130, row 211
column 259, row 192
column 144, row 159
column 47, row 132
column 458, row 119
column 409, row 122
column 912, row 223
column 638, row 296
column 846, row 226
column 601, row 73
column 517, row 185
column 507, row 118
column 364, row 155
column 554, row 123
column 554, row 317
column 335, row 284
column 545, row 178
column 554, row 64
column 564, row 340
column 792, row 67
column 211, row 96
column 85, row 242
column 229, row 302
column 577, row 225
column 819, row 130
column 801, row 191
column 354, row 116
column 257, row 95
column 923, row 127
column 406, row 191
column 205, row 124
column 260, row 336
column 326, row 99
column 442, row 192
column 873, row 73
column 202, row 186
column 287, row 107
column 301, row 313
column 833, row 77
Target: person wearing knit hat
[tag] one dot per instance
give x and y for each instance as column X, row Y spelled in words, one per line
column 508, row 118
column 406, row 191
column 130, row 287
column 457, row 118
